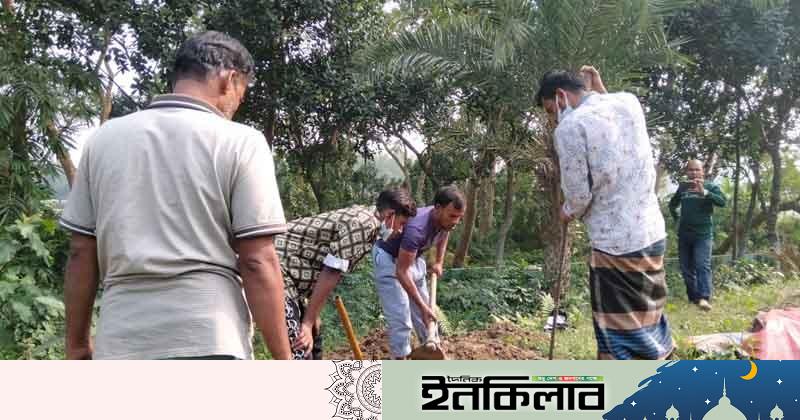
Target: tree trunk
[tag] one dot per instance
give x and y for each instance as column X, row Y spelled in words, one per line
column 400, row 164
column 774, row 197
column 758, row 220
column 421, row 185
column 62, row 154
column 755, row 190
column 549, row 178
column 508, row 214
column 8, row 5
column 469, row 223
column 486, row 219
column 553, row 244
column 661, row 174
column 736, row 177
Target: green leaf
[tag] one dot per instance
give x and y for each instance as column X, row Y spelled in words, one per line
column 51, row 303
column 6, row 289
column 8, row 248
column 6, row 337
column 11, row 274
column 23, row 311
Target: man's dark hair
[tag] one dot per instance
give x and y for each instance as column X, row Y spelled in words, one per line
column 397, row 199
column 447, row 195
column 558, row 79
column 210, row 52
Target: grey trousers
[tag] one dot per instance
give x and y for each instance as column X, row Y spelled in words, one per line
column 399, row 312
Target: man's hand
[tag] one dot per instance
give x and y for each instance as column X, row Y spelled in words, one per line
column 82, row 352
column 698, row 185
column 593, row 80
column 305, row 340
column 565, row 218
column 428, row 315
column 438, row 269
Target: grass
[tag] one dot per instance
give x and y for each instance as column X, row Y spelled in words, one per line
column 474, row 298
column 734, row 311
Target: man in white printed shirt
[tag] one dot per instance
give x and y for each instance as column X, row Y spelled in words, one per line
column 608, row 180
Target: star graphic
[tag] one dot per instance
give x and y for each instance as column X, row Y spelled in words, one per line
column 779, row 381
column 707, row 401
column 633, row 403
column 694, row 369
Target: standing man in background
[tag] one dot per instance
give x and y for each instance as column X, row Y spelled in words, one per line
column 696, row 199
column 174, row 208
column 608, row 179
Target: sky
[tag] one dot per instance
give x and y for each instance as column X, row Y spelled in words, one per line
column 695, row 387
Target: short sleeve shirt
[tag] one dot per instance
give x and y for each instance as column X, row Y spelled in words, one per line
column 165, row 191
column 419, row 235
column 337, row 239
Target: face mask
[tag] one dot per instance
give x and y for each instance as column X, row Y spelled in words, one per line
column 386, row 232
column 560, row 115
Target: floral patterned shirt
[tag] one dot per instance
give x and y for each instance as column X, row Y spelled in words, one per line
column 338, row 239
column 608, row 173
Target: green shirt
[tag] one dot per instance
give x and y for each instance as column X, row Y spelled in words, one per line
column 696, row 209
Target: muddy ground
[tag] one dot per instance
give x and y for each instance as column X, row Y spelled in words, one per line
column 499, row 341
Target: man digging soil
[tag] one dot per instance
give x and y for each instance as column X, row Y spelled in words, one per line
column 400, row 269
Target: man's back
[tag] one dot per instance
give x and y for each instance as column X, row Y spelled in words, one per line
column 611, row 132
column 165, row 191
column 337, row 239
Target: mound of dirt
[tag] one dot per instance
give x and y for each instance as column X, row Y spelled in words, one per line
column 500, row 341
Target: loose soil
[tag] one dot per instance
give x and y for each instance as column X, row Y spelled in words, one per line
column 499, row 341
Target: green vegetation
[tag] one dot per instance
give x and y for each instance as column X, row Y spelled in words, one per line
column 354, row 96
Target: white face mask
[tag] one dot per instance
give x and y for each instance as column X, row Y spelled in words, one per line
column 560, row 115
column 386, row 232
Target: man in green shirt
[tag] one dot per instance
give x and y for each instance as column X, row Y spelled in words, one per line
column 696, row 198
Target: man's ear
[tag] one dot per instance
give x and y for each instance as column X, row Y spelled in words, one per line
column 226, row 82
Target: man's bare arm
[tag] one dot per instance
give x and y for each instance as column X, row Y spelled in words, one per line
column 263, row 286
column 80, row 290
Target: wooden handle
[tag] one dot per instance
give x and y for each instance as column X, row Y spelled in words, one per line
column 432, row 325
column 348, row 328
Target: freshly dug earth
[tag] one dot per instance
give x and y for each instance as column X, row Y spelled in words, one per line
column 499, row 341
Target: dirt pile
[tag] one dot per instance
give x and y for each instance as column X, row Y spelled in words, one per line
column 499, row 341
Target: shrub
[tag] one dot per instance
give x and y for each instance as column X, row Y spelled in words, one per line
column 32, row 251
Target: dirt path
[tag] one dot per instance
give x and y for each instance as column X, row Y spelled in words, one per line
column 500, row 341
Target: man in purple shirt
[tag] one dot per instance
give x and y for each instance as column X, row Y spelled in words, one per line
column 400, row 268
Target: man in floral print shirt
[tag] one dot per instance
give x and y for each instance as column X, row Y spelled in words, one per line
column 608, row 179
column 316, row 251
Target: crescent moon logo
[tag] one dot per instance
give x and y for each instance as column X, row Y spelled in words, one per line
column 753, row 372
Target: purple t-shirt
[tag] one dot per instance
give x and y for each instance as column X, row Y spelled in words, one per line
column 418, row 235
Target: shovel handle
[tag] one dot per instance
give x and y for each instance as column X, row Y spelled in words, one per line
column 348, row 328
column 432, row 324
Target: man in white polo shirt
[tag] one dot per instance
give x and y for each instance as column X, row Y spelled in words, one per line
column 174, row 209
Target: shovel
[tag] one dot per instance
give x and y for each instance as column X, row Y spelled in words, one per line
column 348, row 328
column 432, row 348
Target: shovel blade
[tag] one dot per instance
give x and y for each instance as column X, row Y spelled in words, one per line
column 425, row 352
